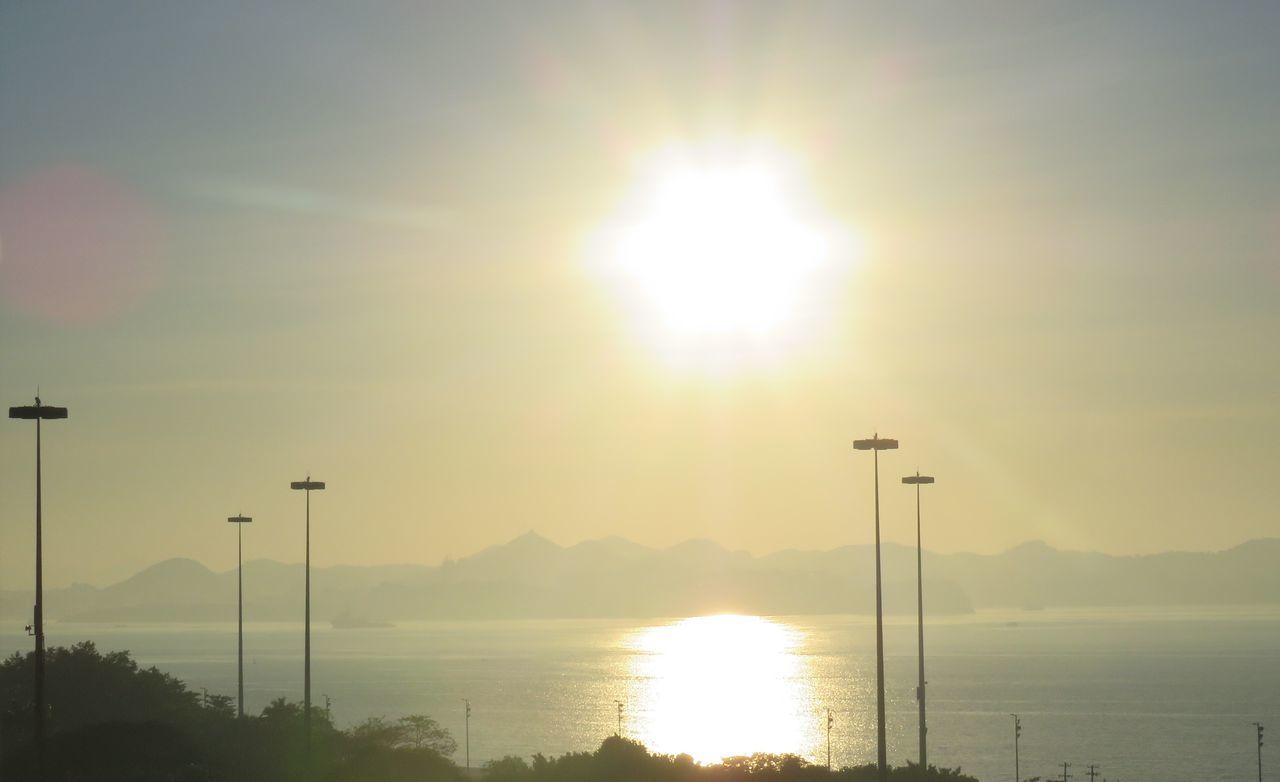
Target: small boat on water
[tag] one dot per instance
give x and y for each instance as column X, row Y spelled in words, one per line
column 348, row 621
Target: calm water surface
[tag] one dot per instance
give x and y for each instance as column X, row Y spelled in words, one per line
column 1146, row 695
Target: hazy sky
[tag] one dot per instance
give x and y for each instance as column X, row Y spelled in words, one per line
column 244, row 241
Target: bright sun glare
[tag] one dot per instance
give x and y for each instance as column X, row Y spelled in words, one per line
column 718, row 247
column 719, row 686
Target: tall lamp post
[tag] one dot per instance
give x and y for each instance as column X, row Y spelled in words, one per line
column 39, row 412
column 307, row 486
column 876, row 444
column 919, row 480
column 240, row 521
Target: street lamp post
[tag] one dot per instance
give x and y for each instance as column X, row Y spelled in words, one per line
column 876, row 444
column 919, row 480
column 240, row 521
column 39, row 412
column 307, row 486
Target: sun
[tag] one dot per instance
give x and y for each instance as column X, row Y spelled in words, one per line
column 717, row 246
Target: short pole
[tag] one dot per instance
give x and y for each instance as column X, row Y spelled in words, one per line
column 1017, row 734
column 830, row 720
column 1258, row 725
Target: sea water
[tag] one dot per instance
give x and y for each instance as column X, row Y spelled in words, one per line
column 1147, row 694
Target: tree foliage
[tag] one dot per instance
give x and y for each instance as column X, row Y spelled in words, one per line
column 111, row 720
column 416, row 731
column 624, row 760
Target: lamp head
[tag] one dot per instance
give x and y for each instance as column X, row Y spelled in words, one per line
column 32, row 412
column 876, row 443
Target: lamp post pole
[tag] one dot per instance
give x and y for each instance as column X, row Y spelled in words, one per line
column 239, row 521
column 307, row 486
column 876, row 444
column 918, row 480
column 39, row 412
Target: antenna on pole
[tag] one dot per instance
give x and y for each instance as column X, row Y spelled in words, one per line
column 830, row 722
column 1017, row 735
column 1258, row 725
column 467, row 701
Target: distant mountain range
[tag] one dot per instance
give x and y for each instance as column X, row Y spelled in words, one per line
column 531, row 577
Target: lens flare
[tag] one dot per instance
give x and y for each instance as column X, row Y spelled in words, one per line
column 76, row 246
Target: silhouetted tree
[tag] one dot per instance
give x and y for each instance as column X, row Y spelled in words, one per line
column 423, row 732
column 111, row 720
column 86, row 687
column 416, row 731
column 509, row 769
column 627, row 761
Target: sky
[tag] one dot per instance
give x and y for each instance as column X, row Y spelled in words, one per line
column 246, row 242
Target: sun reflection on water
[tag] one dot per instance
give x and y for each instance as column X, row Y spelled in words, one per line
column 721, row 686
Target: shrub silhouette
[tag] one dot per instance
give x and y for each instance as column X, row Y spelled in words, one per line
column 623, row 760
column 113, row 721
column 110, row 719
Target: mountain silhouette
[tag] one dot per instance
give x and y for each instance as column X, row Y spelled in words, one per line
column 533, row 577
